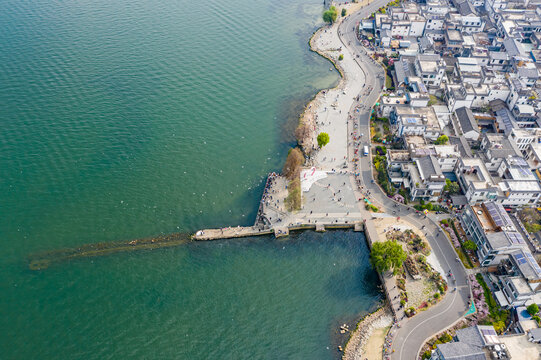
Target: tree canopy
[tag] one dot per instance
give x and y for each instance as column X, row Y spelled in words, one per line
column 442, row 140
column 451, row 187
column 330, row 15
column 470, row 245
column 293, row 163
column 322, row 139
column 344, row 12
column 387, row 255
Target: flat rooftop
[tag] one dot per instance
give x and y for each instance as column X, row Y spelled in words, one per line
column 428, row 66
column 477, row 173
column 427, row 115
column 399, row 155
column 484, row 219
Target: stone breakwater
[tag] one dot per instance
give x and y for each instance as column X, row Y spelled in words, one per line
column 355, row 347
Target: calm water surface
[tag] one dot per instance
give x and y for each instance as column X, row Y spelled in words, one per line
column 126, row 119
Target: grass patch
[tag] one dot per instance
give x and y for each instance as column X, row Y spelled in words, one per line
column 464, row 258
column 433, row 100
column 291, row 171
column 293, row 199
column 532, row 228
column 388, row 82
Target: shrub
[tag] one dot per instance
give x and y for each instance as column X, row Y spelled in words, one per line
column 341, row 57
column 344, row 12
column 371, row 207
column 441, row 288
column 436, row 295
column 445, row 338
column 381, row 150
column 403, row 302
column 410, row 311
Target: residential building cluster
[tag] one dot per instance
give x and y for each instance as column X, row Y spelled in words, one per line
column 469, row 70
column 465, row 106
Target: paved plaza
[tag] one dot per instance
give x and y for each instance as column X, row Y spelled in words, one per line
column 333, row 194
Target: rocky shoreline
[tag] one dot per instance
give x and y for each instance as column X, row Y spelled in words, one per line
column 306, row 131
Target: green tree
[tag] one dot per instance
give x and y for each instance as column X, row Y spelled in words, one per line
column 442, row 140
column 451, row 187
column 341, row 57
column 330, row 15
column 532, row 309
column 470, row 245
column 344, row 12
column 387, row 255
column 322, row 139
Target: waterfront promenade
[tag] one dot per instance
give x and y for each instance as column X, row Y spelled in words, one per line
column 342, row 182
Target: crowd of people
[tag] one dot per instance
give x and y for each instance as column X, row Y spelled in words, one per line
column 268, row 199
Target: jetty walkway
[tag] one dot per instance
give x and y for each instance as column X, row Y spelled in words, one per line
column 279, row 231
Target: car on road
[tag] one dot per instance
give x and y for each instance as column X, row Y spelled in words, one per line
column 365, row 150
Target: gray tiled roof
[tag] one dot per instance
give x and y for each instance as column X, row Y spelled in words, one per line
column 429, row 166
column 465, row 8
column 470, row 335
column 463, row 146
column 466, row 120
column 461, row 351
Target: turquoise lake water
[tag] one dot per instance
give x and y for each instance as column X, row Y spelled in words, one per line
column 128, row 119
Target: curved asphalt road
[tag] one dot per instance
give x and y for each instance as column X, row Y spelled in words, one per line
column 415, row 331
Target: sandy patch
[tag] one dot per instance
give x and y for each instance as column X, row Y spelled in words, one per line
column 374, row 345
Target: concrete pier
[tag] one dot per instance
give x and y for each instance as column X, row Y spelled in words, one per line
column 230, row 232
column 277, row 231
